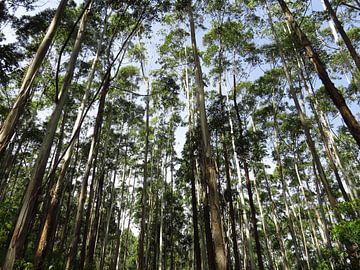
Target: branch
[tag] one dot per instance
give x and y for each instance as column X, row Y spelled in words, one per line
column 350, row 6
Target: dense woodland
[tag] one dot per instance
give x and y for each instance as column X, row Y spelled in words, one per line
column 179, row 134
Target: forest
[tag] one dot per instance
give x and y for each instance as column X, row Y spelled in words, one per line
column 180, row 134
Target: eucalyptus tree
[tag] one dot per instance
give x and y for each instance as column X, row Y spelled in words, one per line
column 7, row 128
column 339, row 27
column 207, row 159
column 333, row 92
column 29, row 200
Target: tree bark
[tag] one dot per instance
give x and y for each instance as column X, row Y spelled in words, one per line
column 303, row 119
column 30, row 198
column 141, row 250
column 8, row 127
column 58, row 187
column 197, row 250
column 342, row 33
column 93, row 148
column 249, row 187
column 209, row 163
column 334, row 93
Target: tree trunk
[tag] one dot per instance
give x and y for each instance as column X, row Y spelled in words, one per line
column 93, row 149
column 38, row 260
column 58, row 187
column 141, row 251
column 103, row 249
column 209, row 163
column 248, row 260
column 277, row 228
column 264, row 227
column 334, row 93
column 328, row 139
column 285, row 193
column 30, row 198
column 9, row 125
column 303, row 119
column 231, row 208
column 249, row 188
column 197, row 250
column 118, row 232
column 93, row 233
column 131, row 206
column 342, row 33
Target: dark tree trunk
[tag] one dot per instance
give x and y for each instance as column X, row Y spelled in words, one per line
column 248, row 187
column 332, row 91
column 343, row 34
column 197, row 250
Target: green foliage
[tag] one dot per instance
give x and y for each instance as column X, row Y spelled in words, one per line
column 348, row 231
column 23, row 265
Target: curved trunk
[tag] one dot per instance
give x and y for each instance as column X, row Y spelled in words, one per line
column 342, row 33
column 334, row 93
column 8, row 127
column 30, row 198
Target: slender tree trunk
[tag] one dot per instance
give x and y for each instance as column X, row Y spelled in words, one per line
column 29, row 201
column 264, row 227
column 308, row 204
column 9, row 125
column 328, row 139
column 58, row 187
column 277, row 228
column 333, row 92
column 39, row 257
column 93, row 233
column 303, row 120
column 248, row 260
column 103, row 249
column 192, row 171
column 249, row 188
column 161, row 229
column 8, row 164
column 231, row 208
column 64, row 235
column 118, row 232
column 342, row 33
column 197, row 250
column 311, row 145
column 285, row 193
column 210, row 170
column 131, row 206
column 141, row 251
column 93, row 149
